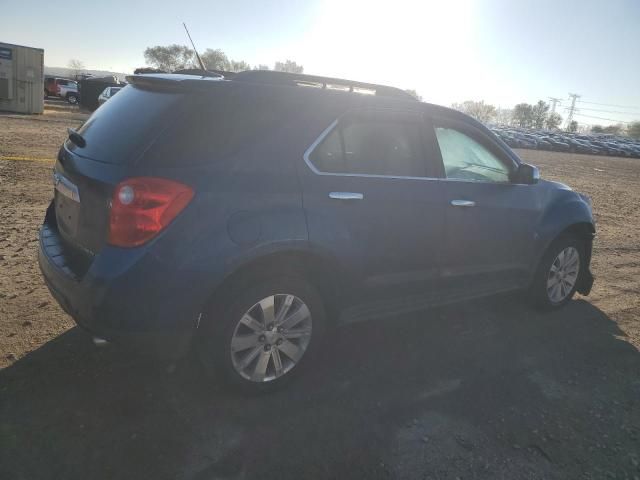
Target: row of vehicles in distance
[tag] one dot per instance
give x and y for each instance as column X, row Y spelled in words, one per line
column 593, row 144
column 67, row 89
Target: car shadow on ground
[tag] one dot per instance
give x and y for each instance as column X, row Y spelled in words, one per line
column 488, row 389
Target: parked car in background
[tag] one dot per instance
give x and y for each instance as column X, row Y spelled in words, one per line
column 52, row 85
column 107, row 93
column 243, row 216
column 69, row 92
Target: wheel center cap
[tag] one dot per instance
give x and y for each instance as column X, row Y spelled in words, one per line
column 271, row 336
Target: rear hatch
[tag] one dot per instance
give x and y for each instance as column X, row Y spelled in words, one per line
column 107, row 149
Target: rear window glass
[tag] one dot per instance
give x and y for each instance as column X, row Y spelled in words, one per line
column 122, row 128
column 219, row 124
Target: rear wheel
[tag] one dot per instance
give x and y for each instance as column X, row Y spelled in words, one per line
column 72, row 99
column 267, row 334
column 558, row 274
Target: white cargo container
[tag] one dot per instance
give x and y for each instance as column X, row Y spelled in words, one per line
column 21, row 79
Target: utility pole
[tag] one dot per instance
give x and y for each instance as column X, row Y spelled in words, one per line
column 572, row 108
column 554, row 101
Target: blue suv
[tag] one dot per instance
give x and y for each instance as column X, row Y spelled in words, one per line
column 246, row 215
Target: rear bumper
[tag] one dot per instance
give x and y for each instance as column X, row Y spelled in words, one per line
column 130, row 300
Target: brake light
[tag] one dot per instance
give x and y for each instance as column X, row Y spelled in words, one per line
column 142, row 207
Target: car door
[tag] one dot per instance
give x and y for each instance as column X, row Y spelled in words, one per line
column 489, row 220
column 371, row 200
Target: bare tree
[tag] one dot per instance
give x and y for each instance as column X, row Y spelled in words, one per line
column 483, row 112
column 261, row 67
column 76, row 66
column 504, row 116
column 288, row 66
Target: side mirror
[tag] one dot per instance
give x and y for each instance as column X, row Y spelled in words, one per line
column 526, row 174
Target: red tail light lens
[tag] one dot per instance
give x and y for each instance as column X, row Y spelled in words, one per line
column 142, row 207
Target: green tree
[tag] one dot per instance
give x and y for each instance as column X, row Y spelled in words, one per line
column 539, row 114
column 523, row 115
column 288, row 66
column 215, row 60
column 573, row 126
column 553, row 121
column 170, row 57
column 483, row 112
column 633, row 130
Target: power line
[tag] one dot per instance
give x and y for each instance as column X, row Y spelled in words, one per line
column 609, row 111
column 600, row 118
column 609, row 105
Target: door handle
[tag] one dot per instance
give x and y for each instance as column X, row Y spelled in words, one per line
column 346, row 196
column 463, row 203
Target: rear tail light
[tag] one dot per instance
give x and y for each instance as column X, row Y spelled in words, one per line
column 142, row 207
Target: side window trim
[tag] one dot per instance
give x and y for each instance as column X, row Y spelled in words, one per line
column 336, row 122
column 475, row 134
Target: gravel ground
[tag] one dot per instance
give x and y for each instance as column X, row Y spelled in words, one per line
column 483, row 390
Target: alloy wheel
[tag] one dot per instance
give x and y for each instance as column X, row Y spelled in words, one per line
column 563, row 274
column 271, row 338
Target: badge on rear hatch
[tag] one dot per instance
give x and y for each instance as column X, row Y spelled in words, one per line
column 65, row 187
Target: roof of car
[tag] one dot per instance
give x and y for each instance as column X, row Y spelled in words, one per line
column 200, row 79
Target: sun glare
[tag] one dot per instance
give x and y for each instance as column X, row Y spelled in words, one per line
column 395, row 43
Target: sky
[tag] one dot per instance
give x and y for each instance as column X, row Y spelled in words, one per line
column 501, row 51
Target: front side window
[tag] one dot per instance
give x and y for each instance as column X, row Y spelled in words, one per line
column 371, row 147
column 466, row 159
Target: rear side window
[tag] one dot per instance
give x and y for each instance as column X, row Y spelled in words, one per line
column 372, row 146
column 467, row 159
column 121, row 129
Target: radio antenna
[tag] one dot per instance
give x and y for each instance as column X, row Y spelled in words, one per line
column 194, row 46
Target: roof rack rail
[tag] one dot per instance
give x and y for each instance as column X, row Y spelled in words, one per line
column 298, row 79
column 205, row 73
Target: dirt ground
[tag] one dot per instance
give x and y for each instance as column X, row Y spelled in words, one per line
column 483, row 390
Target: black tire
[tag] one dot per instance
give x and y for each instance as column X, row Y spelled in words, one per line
column 538, row 293
column 72, row 99
column 213, row 342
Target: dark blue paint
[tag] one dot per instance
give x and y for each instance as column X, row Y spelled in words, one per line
column 258, row 198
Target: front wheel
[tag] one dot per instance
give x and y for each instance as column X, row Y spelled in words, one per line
column 72, row 99
column 558, row 274
column 267, row 334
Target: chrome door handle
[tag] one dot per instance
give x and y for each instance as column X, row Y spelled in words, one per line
column 346, row 196
column 463, row 203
